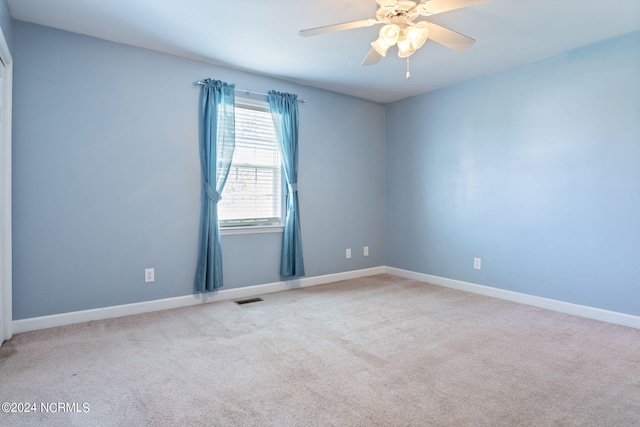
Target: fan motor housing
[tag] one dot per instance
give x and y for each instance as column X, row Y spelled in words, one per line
column 402, row 12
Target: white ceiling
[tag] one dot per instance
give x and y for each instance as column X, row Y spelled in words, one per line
column 262, row 36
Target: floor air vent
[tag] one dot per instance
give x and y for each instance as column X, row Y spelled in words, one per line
column 248, row 301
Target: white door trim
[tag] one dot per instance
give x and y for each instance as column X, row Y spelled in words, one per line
column 5, row 194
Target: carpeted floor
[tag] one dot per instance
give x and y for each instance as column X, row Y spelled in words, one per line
column 377, row 351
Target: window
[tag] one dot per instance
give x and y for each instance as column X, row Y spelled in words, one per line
column 252, row 195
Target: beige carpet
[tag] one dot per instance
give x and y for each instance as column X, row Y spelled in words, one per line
column 378, row 351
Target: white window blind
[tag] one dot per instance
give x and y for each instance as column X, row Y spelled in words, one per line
column 253, row 192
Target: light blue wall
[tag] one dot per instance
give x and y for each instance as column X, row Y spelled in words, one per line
column 535, row 169
column 107, row 180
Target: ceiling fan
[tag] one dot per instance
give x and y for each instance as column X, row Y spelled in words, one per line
column 401, row 29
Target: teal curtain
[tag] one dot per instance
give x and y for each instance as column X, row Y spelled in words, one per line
column 217, row 143
column 284, row 110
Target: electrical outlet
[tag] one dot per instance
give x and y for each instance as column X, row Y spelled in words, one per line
column 348, row 253
column 477, row 263
column 366, row 251
column 149, row 275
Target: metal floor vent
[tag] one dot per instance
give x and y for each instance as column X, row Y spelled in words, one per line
column 248, row 301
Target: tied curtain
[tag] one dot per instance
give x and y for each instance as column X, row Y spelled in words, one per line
column 284, row 111
column 217, row 143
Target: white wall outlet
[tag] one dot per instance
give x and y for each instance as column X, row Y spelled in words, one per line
column 477, row 263
column 348, row 253
column 149, row 275
column 366, row 251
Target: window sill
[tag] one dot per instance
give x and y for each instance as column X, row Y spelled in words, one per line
column 226, row 231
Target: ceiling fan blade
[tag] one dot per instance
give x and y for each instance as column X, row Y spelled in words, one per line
column 372, row 58
column 338, row 27
column 448, row 38
column 432, row 7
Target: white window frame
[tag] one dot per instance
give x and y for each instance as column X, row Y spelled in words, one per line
column 229, row 228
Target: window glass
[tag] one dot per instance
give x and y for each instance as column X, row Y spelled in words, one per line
column 253, row 192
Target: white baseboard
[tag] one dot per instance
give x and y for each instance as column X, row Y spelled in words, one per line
column 52, row 321
column 550, row 304
column 44, row 322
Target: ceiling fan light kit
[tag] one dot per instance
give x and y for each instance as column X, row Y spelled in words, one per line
column 418, row 36
column 405, row 49
column 387, row 37
column 407, row 39
column 400, row 28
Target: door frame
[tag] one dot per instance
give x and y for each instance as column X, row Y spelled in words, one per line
column 5, row 194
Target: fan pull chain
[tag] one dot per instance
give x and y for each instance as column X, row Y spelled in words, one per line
column 408, row 72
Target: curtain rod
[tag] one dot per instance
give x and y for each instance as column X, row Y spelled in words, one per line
column 248, row 92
